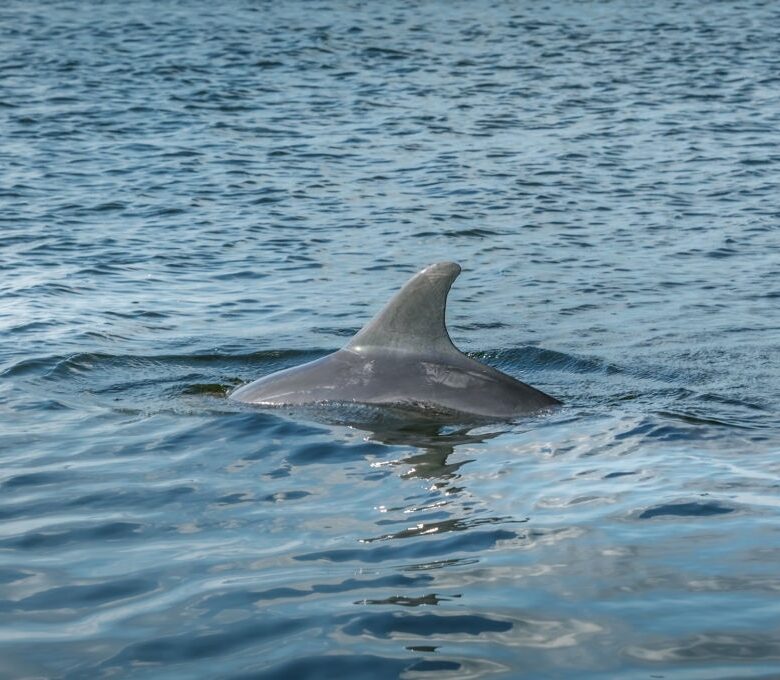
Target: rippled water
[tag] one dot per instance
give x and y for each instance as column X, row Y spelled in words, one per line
column 193, row 195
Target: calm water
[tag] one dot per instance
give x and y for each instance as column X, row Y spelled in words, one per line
column 193, row 195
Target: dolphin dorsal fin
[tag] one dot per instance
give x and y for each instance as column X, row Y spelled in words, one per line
column 413, row 320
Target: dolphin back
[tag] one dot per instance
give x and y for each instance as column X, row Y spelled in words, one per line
column 403, row 356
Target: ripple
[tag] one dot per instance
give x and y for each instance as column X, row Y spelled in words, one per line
column 722, row 647
column 81, row 596
column 37, row 540
column 475, row 541
column 186, row 647
column 352, row 665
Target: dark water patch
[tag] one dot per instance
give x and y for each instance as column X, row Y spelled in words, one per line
column 426, row 625
column 486, row 325
column 472, row 542
column 189, row 647
column 475, row 232
column 338, row 332
column 693, row 509
column 435, row 665
column 133, row 499
column 65, row 367
column 244, row 598
column 81, row 596
column 44, row 540
column 32, row 326
column 423, row 528
column 428, row 600
column 47, row 290
column 531, row 357
column 676, row 428
column 27, row 366
column 411, row 422
column 386, row 53
column 36, row 479
column 139, row 314
column 268, row 63
column 615, row 475
column 318, row 453
column 109, row 206
column 731, row 401
column 700, row 420
column 13, row 575
column 718, row 647
column 213, row 389
column 359, row 666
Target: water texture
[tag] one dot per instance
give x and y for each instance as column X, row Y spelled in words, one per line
column 193, row 195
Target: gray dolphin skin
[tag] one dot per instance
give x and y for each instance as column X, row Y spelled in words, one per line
column 403, row 358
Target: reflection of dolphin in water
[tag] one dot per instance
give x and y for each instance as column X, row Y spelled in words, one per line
column 403, row 358
column 434, row 444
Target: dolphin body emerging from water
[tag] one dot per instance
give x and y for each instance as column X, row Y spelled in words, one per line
column 403, row 358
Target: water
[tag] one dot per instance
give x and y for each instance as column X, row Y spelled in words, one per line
column 193, row 195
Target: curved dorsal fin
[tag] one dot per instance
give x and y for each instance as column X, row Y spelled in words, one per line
column 413, row 320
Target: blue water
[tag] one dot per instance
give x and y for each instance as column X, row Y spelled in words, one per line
column 193, row 195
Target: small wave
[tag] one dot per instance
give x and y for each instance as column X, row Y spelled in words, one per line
column 694, row 419
column 27, row 366
column 44, row 540
column 81, row 596
column 63, row 365
column 385, row 53
column 214, row 389
column 529, row 356
column 35, row 479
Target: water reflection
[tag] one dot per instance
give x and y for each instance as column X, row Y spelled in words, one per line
column 435, row 442
column 432, row 436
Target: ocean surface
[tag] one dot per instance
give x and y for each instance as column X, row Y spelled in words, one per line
column 193, row 195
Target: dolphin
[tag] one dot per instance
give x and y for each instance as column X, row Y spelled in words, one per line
column 403, row 358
